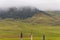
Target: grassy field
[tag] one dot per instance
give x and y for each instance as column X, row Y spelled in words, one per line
column 11, row 29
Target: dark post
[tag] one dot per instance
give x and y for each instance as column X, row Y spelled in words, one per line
column 21, row 36
column 43, row 37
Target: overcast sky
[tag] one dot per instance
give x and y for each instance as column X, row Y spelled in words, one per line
column 41, row 4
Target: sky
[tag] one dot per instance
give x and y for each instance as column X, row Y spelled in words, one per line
column 40, row 4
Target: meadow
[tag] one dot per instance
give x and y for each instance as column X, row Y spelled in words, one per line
column 11, row 29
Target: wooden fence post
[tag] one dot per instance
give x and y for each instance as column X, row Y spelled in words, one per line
column 43, row 37
column 31, row 36
column 21, row 36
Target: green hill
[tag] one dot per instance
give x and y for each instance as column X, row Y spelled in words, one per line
column 10, row 28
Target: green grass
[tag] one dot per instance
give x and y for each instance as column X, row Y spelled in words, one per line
column 36, row 38
column 11, row 29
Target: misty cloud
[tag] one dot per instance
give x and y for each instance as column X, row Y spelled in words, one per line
column 41, row 4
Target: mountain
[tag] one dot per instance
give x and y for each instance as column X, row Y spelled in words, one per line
column 18, row 13
column 31, row 15
column 44, row 18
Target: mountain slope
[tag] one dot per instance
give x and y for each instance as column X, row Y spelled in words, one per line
column 44, row 18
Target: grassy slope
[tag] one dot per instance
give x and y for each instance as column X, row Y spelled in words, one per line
column 56, row 13
column 11, row 29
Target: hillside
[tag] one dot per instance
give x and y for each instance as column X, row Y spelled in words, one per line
column 56, row 13
column 11, row 29
column 44, row 18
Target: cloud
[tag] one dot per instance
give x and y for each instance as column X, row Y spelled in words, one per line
column 41, row 4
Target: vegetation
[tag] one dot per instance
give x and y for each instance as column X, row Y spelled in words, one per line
column 10, row 29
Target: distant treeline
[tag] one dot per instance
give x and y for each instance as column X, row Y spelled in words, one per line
column 16, row 13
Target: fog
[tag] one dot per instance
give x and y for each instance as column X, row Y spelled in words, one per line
column 40, row 4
